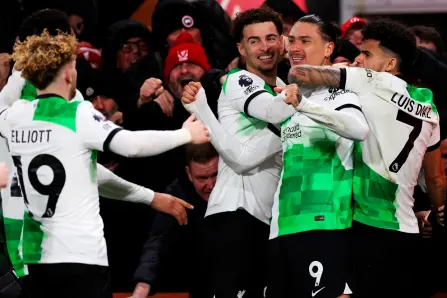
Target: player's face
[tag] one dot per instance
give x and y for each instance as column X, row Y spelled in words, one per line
column 306, row 45
column 203, row 176
column 181, row 75
column 261, row 47
column 374, row 57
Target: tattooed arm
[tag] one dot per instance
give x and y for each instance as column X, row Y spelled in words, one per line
column 315, row 75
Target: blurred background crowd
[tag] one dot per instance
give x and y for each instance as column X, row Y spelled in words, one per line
column 126, row 44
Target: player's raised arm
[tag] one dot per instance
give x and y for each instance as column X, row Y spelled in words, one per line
column 250, row 95
column 114, row 187
column 99, row 134
column 343, row 115
column 241, row 157
column 315, row 75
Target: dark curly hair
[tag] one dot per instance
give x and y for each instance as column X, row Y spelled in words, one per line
column 395, row 37
column 255, row 16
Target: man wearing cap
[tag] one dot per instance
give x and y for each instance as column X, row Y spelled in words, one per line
column 207, row 23
column 352, row 30
column 186, row 61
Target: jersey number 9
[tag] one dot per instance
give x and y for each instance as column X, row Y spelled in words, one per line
column 52, row 190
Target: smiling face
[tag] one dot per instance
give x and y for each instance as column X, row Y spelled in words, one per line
column 131, row 51
column 261, row 46
column 182, row 74
column 307, row 46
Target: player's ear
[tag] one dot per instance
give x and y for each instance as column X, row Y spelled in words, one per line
column 391, row 64
column 329, row 49
column 241, row 49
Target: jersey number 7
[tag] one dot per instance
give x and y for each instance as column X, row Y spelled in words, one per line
column 52, row 190
column 403, row 155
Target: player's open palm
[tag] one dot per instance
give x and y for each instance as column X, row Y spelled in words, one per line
column 3, row 175
column 199, row 132
column 171, row 205
column 190, row 92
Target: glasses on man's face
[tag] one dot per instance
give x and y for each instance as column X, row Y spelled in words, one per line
column 128, row 46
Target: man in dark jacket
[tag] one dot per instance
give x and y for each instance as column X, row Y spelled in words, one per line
column 174, row 257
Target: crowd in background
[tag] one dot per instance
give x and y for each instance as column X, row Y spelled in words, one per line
column 122, row 76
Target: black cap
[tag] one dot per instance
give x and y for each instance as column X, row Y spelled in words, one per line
column 94, row 82
column 346, row 49
column 117, row 34
column 51, row 19
column 170, row 16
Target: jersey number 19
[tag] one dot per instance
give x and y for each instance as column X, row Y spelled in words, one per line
column 52, row 190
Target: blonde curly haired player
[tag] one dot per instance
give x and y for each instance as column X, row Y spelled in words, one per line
column 54, row 144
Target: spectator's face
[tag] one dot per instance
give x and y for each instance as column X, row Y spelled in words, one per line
column 341, row 59
column 288, row 23
column 374, row 57
column 195, row 33
column 444, row 155
column 426, row 45
column 355, row 36
column 203, row 176
column 77, row 24
column 131, row 51
column 261, row 46
column 182, row 74
column 106, row 105
column 306, row 46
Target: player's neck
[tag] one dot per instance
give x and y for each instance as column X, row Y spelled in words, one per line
column 268, row 77
column 55, row 88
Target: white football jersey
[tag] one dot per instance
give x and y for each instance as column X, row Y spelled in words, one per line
column 404, row 124
column 253, row 191
column 53, row 145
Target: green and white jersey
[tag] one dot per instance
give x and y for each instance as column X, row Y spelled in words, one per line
column 53, row 144
column 315, row 189
column 13, row 205
column 252, row 191
column 404, row 124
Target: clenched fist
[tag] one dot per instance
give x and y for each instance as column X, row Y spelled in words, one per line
column 293, row 94
column 190, row 92
column 150, row 89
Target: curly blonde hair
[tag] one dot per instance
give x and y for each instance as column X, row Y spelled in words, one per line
column 40, row 57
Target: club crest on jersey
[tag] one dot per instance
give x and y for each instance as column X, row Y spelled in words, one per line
column 182, row 55
column 98, row 117
column 245, row 81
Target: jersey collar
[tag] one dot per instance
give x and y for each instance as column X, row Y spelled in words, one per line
column 48, row 95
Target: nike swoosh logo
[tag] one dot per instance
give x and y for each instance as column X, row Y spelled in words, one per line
column 315, row 294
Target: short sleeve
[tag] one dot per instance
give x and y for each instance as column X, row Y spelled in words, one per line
column 435, row 139
column 93, row 128
column 241, row 88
